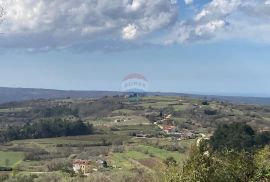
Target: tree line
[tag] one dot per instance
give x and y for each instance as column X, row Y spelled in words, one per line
column 57, row 111
column 46, row 129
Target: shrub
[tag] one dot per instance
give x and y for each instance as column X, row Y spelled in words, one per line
column 210, row 112
column 170, row 161
column 58, row 164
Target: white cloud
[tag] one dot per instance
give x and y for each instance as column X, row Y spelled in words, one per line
column 43, row 24
column 209, row 28
column 226, row 19
column 135, row 5
column 202, row 14
column 98, row 24
column 188, row 2
column 129, row 32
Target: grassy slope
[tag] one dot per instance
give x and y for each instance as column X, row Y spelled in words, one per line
column 161, row 153
column 13, row 158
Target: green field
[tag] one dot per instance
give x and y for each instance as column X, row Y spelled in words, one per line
column 123, row 111
column 125, row 160
column 10, row 159
column 73, row 140
column 132, row 157
column 161, row 153
column 14, row 110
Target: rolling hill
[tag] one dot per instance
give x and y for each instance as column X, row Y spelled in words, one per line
column 23, row 94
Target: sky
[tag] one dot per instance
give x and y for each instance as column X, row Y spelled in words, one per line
column 189, row 46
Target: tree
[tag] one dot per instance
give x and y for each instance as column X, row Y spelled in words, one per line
column 262, row 139
column 47, row 129
column 234, row 136
column 237, row 136
column 224, row 166
column 205, row 103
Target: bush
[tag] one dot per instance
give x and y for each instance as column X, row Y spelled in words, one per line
column 170, row 161
column 210, row 112
column 118, row 149
column 58, row 164
column 205, row 103
column 36, row 154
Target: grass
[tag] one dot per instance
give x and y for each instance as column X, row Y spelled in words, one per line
column 161, row 153
column 125, row 120
column 10, row 159
column 127, row 160
column 14, row 110
column 266, row 118
column 50, row 141
column 128, row 129
column 122, row 160
column 72, row 140
column 183, row 107
column 160, row 98
column 130, row 154
column 123, row 111
column 179, row 120
column 156, row 105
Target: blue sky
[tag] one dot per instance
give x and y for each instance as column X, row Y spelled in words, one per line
column 184, row 46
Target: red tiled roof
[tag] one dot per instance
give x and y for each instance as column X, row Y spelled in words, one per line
column 81, row 162
column 168, row 127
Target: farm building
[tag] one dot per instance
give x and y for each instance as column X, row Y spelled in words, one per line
column 83, row 166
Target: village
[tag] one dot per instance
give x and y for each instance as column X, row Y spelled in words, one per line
column 166, row 124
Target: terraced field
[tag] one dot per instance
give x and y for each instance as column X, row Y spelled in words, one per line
column 10, row 159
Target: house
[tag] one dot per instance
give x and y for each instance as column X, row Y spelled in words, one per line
column 83, row 166
column 169, row 128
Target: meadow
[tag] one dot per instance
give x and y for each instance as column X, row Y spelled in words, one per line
column 10, row 159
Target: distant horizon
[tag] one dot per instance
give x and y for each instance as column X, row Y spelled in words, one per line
column 182, row 46
column 255, row 95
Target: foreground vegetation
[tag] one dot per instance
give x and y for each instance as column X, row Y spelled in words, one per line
column 246, row 162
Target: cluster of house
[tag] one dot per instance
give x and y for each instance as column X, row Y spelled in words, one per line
column 168, row 127
column 86, row 167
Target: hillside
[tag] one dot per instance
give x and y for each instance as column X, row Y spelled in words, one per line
column 23, row 94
